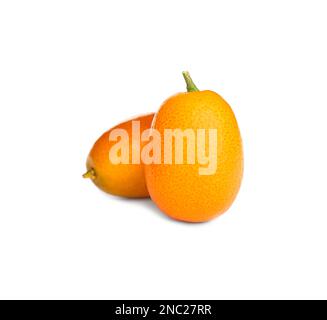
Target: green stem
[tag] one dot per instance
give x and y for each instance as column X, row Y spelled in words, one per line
column 90, row 174
column 191, row 87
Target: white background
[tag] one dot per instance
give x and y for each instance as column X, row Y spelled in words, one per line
column 70, row 70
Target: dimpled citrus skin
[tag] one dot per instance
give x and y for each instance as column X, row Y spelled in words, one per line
column 126, row 180
column 178, row 189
